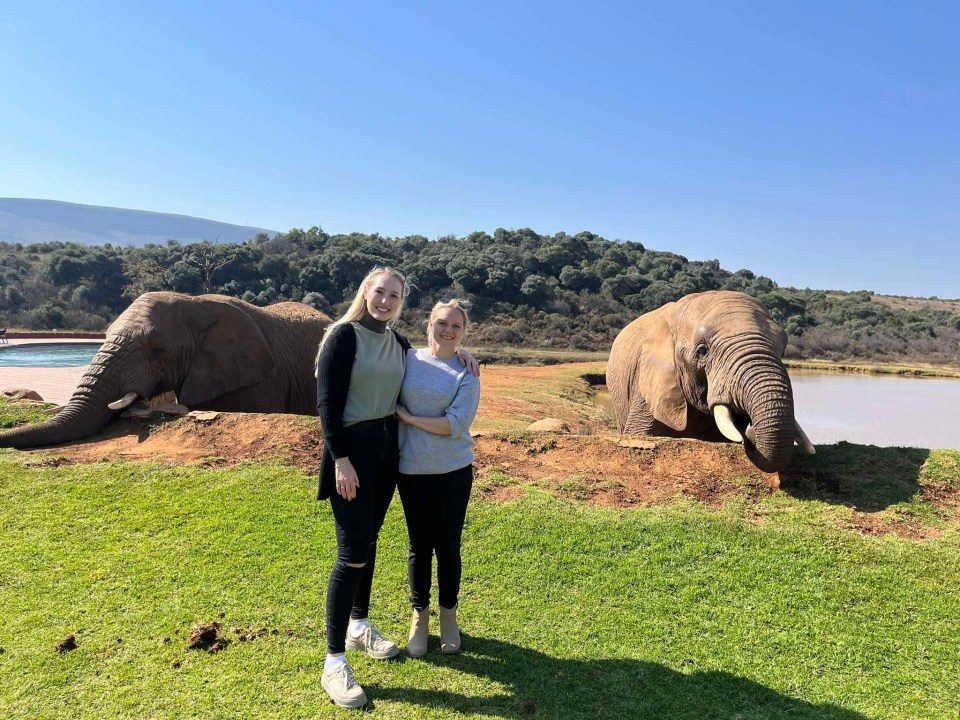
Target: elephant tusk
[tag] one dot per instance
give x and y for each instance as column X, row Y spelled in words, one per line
column 803, row 441
column 724, row 420
column 123, row 402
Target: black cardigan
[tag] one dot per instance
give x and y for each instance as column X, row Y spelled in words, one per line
column 334, row 368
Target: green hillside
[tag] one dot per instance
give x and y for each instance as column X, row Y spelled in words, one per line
column 573, row 292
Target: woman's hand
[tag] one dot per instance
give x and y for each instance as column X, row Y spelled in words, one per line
column 403, row 414
column 468, row 361
column 347, row 480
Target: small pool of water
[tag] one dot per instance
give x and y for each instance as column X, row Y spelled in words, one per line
column 883, row 410
column 48, row 355
column 601, row 397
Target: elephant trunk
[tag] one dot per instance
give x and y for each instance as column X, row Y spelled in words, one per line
column 86, row 413
column 763, row 391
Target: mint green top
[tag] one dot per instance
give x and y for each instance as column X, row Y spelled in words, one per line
column 376, row 377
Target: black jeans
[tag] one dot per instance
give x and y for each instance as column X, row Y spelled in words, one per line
column 374, row 455
column 435, row 507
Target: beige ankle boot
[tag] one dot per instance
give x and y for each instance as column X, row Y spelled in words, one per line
column 449, row 632
column 419, row 633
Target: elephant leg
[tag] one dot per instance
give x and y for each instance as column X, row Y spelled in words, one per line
column 640, row 419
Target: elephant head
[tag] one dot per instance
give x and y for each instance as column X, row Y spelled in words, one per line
column 201, row 348
column 707, row 366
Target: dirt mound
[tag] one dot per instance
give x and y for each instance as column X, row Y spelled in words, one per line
column 614, row 471
column 208, row 439
column 600, row 469
column 605, row 469
column 205, row 636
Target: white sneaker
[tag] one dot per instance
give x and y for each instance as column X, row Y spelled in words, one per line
column 343, row 688
column 373, row 643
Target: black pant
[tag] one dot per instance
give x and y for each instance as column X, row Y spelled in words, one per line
column 374, row 455
column 435, row 507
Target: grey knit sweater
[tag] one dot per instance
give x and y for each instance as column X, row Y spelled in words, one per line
column 437, row 387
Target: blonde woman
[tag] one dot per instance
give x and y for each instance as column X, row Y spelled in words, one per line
column 438, row 403
column 360, row 367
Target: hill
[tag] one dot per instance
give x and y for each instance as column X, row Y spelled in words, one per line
column 526, row 290
column 28, row 221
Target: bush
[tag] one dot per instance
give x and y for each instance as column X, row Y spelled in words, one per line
column 48, row 316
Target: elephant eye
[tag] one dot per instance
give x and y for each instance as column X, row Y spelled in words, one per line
column 701, row 351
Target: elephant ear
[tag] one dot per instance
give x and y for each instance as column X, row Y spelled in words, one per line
column 657, row 379
column 780, row 338
column 770, row 328
column 232, row 353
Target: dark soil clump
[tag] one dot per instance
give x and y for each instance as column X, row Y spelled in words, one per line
column 67, row 644
column 204, row 636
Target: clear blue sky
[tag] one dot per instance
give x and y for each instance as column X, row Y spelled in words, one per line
column 816, row 142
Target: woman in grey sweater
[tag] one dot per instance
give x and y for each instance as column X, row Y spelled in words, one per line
column 438, row 402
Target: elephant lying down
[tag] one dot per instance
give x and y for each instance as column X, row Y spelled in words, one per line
column 708, row 367
column 215, row 352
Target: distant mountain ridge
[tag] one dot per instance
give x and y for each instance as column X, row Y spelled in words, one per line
column 29, row 221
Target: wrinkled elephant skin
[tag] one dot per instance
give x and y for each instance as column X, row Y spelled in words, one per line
column 708, row 367
column 215, row 352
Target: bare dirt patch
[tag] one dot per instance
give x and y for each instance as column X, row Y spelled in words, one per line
column 516, row 396
column 605, row 470
column 602, row 469
column 67, row 644
column 224, row 440
column 205, row 636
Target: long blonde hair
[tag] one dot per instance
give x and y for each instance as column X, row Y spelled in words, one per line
column 358, row 308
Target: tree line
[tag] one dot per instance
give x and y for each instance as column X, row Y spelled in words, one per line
column 525, row 289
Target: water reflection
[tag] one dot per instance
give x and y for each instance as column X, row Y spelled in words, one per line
column 884, row 410
column 879, row 410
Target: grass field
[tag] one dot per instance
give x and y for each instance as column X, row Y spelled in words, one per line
column 569, row 611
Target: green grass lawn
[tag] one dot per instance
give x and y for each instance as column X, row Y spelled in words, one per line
column 15, row 414
column 569, row 611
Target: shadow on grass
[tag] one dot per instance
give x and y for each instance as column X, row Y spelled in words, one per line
column 864, row 477
column 534, row 684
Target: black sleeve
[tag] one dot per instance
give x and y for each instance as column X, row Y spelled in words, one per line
column 334, row 368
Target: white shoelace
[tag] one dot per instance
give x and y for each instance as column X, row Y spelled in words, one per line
column 346, row 671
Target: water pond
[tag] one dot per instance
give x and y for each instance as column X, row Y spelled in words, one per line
column 48, row 355
column 883, row 410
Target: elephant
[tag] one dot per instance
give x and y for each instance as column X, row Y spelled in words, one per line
column 215, row 352
column 707, row 366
